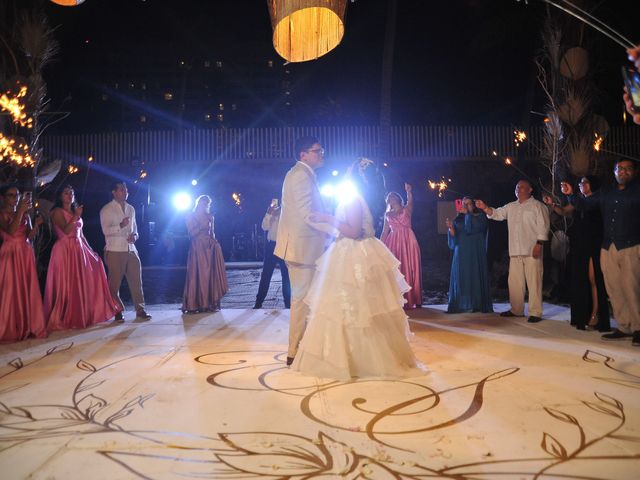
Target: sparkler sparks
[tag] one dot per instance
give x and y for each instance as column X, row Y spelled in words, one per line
column 597, row 145
column 237, row 198
column 15, row 153
column 520, row 137
column 441, row 186
column 15, row 108
column 72, row 169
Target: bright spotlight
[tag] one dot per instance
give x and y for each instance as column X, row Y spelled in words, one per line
column 328, row 190
column 345, row 192
column 194, row 182
column 182, row 201
column 335, row 173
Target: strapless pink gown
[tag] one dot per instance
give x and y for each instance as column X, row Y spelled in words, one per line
column 403, row 244
column 20, row 299
column 77, row 293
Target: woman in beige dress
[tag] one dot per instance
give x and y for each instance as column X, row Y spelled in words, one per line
column 206, row 281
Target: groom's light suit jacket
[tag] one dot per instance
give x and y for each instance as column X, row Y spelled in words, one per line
column 299, row 240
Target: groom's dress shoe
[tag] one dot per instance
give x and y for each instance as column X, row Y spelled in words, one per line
column 289, row 361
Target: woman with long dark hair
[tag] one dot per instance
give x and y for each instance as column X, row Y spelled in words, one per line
column 21, row 312
column 469, row 289
column 77, row 293
column 356, row 326
column 589, row 303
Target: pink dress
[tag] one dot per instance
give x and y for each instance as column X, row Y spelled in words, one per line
column 403, row 244
column 20, row 299
column 77, row 294
column 206, row 281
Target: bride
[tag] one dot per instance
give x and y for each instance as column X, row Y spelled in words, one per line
column 356, row 325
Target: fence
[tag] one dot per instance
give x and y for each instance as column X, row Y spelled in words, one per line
column 410, row 143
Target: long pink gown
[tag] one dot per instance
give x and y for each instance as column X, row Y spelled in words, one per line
column 77, row 293
column 206, row 281
column 403, row 244
column 21, row 312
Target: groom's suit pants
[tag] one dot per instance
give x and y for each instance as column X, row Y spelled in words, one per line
column 300, row 276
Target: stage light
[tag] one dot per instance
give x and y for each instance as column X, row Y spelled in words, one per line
column 335, row 173
column 194, row 182
column 327, row 190
column 182, row 201
column 345, row 192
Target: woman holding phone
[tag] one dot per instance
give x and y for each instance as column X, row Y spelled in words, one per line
column 21, row 312
column 469, row 289
column 77, row 294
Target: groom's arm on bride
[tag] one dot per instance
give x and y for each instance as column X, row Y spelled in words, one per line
column 350, row 228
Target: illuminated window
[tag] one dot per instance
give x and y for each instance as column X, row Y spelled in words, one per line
column 207, row 117
column 143, row 86
column 234, row 107
column 168, row 96
column 221, row 107
column 220, row 117
column 132, row 85
column 207, row 64
column 270, row 63
column 105, row 97
column 219, row 63
column 143, row 119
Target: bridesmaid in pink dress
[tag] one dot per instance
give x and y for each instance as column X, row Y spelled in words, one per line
column 206, row 281
column 77, row 294
column 20, row 301
column 398, row 236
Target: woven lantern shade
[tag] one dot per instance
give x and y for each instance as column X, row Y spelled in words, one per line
column 306, row 29
column 68, row 3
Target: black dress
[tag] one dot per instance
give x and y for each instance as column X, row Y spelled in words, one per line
column 585, row 240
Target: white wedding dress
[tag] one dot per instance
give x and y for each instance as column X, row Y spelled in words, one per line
column 356, row 326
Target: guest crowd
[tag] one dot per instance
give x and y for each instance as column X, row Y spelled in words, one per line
column 79, row 292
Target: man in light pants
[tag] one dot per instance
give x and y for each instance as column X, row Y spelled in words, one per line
column 299, row 242
column 528, row 224
column 118, row 221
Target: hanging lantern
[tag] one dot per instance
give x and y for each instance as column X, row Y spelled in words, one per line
column 306, row 29
column 68, row 3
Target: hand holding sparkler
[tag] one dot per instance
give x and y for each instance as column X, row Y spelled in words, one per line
column 480, row 205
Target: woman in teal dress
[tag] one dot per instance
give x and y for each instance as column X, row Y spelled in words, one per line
column 469, row 289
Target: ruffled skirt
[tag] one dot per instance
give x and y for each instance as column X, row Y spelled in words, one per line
column 356, row 325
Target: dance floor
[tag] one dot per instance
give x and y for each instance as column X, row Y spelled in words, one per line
column 209, row 396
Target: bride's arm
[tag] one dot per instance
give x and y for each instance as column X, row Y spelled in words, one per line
column 351, row 227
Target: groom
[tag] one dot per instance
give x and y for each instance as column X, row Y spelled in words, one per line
column 300, row 242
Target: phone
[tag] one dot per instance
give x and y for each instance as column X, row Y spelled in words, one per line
column 632, row 82
column 458, row 204
column 274, row 202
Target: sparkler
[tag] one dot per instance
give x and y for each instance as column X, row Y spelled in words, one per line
column 237, row 199
column 520, row 137
column 597, row 145
column 18, row 154
column 441, row 186
column 592, row 21
column 143, row 174
column 15, row 108
column 71, row 169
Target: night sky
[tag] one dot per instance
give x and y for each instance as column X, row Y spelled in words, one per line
column 457, row 62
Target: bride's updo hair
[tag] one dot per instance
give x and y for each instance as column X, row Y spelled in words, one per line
column 369, row 181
